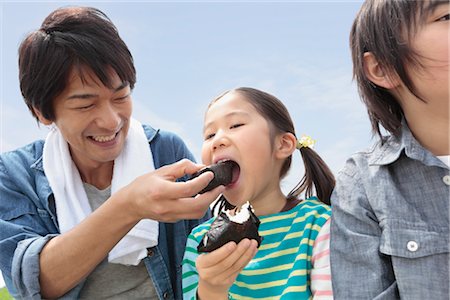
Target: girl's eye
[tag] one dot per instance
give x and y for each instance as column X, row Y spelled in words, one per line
column 444, row 18
column 209, row 136
column 236, row 125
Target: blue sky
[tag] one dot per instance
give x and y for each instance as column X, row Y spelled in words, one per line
column 188, row 52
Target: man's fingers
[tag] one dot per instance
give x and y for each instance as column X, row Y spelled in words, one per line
column 190, row 188
column 179, row 169
column 187, row 207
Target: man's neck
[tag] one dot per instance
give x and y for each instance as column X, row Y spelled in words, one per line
column 99, row 176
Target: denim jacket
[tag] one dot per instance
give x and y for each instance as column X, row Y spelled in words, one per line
column 390, row 224
column 28, row 221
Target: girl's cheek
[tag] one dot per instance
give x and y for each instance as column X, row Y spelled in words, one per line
column 206, row 153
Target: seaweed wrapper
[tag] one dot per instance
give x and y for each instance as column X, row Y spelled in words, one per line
column 224, row 230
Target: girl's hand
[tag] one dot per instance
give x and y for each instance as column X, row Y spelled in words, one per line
column 218, row 269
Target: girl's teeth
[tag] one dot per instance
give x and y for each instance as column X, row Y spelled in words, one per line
column 103, row 139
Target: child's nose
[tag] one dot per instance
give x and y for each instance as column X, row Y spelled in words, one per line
column 220, row 140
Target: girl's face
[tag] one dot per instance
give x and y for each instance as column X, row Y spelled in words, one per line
column 234, row 130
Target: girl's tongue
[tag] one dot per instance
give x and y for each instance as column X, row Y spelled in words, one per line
column 236, row 171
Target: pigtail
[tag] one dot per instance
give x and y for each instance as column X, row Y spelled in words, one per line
column 317, row 176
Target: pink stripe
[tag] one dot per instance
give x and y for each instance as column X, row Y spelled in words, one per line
column 320, row 277
column 320, row 254
column 322, row 238
column 323, row 293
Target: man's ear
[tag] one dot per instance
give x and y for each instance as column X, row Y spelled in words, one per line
column 376, row 73
column 286, row 144
column 41, row 118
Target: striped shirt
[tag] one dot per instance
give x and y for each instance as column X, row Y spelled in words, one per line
column 291, row 263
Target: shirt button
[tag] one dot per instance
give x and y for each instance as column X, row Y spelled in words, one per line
column 446, row 179
column 412, row 246
column 150, row 252
column 166, row 295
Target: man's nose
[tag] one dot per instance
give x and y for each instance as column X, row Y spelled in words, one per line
column 109, row 117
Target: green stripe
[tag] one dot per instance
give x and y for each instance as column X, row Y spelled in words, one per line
column 189, row 288
column 188, row 262
column 189, row 273
column 191, row 250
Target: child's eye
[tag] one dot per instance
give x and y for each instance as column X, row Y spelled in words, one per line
column 444, row 18
column 236, row 125
column 209, row 136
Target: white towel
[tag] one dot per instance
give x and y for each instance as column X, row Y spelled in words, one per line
column 72, row 205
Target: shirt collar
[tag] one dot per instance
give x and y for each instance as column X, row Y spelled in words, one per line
column 393, row 147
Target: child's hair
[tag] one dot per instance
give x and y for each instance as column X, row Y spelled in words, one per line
column 317, row 175
column 70, row 38
column 385, row 28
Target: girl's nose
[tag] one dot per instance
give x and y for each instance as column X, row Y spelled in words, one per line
column 220, row 140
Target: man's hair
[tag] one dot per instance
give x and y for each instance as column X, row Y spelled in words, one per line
column 70, row 39
column 385, row 28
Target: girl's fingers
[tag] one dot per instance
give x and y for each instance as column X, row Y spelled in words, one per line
column 245, row 258
column 215, row 257
column 227, row 263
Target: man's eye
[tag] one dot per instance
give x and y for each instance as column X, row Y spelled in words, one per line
column 123, row 98
column 84, row 107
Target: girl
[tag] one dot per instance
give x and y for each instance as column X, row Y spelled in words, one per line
column 391, row 204
column 254, row 129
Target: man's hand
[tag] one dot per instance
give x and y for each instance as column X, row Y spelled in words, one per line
column 158, row 196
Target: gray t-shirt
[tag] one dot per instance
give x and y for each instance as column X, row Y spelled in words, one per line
column 115, row 281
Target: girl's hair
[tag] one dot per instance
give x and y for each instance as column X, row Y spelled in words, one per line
column 70, row 38
column 317, row 175
column 385, row 28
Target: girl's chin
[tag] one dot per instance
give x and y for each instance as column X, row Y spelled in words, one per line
column 235, row 201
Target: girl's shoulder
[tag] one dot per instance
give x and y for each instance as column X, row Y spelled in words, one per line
column 314, row 204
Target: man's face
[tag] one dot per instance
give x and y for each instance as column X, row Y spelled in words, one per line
column 93, row 118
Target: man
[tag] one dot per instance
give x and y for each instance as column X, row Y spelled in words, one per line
column 78, row 211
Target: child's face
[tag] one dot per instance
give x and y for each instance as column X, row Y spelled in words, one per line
column 234, row 130
column 432, row 46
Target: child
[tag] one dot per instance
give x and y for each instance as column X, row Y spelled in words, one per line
column 254, row 129
column 390, row 227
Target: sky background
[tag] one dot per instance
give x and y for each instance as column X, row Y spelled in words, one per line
column 187, row 52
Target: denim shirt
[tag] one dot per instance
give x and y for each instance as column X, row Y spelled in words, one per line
column 28, row 221
column 390, row 224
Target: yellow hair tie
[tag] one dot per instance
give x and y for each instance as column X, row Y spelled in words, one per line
column 305, row 141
